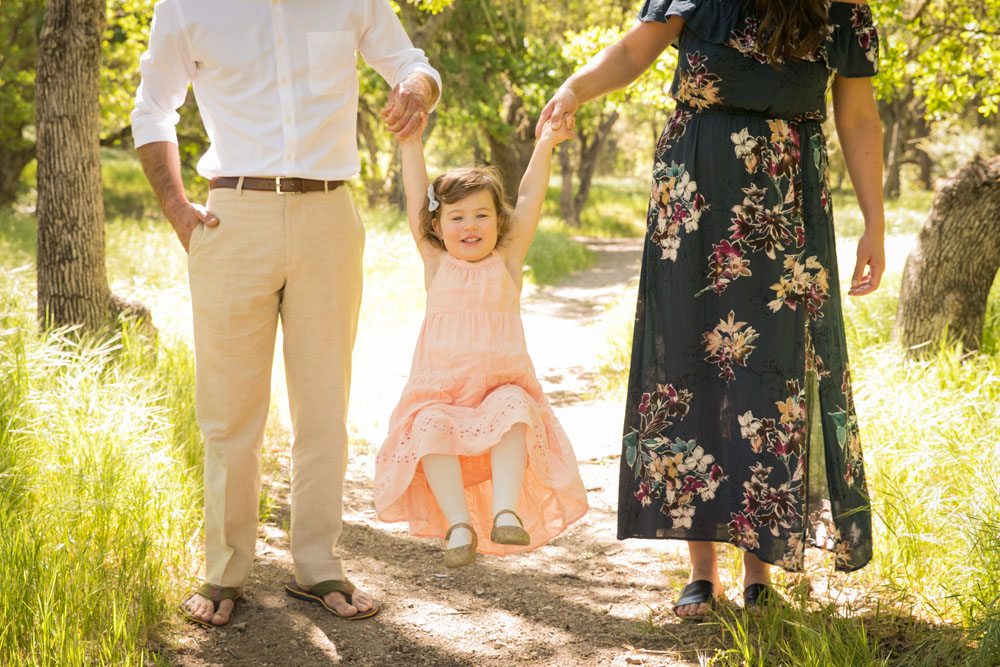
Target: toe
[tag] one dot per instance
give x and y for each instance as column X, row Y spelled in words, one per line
column 362, row 601
column 221, row 616
column 200, row 607
column 339, row 602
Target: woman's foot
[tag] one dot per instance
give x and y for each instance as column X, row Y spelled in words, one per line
column 704, row 567
column 757, row 590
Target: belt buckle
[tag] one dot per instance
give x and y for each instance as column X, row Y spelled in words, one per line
column 279, row 191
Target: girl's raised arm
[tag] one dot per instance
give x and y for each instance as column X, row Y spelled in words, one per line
column 534, row 184
column 415, row 184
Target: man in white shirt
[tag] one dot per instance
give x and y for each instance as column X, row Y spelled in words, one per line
column 277, row 87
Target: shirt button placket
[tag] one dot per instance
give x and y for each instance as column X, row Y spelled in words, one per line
column 285, row 93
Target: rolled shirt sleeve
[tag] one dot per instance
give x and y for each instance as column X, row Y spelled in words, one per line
column 167, row 69
column 387, row 48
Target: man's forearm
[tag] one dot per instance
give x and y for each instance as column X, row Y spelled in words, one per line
column 162, row 164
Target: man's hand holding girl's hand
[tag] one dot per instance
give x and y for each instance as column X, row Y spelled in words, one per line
column 556, row 133
column 416, row 135
column 413, row 96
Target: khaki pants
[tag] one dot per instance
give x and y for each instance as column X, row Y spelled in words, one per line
column 297, row 257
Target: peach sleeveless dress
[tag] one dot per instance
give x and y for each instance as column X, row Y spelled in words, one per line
column 470, row 382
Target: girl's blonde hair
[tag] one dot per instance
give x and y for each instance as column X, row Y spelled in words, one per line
column 458, row 184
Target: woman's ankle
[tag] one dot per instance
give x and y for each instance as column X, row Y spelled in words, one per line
column 755, row 571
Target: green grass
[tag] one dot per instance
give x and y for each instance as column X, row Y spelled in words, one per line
column 99, row 490
column 616, row 207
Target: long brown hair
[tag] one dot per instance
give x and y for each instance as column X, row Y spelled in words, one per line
column 459, row 184
column 791, row 29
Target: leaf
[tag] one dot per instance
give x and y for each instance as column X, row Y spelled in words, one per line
column 631, row 447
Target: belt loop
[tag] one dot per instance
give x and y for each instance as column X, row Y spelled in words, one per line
column 239, row 185
column 326, row 186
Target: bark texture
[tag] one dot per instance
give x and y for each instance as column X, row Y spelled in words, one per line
column 72, row 282
column 949, row 272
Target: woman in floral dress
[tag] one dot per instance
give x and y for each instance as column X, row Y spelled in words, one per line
column 740, row 426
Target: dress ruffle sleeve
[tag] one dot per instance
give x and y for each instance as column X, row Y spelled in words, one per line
column 711, row 20
column 852, row 46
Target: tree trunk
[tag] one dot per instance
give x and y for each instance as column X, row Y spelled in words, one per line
column 567, row 205
column 923, row 131
column 893, row 150
column 591, row 143
column 72, row 282
column 949, row 272
column 511, row 154
column 589, row 152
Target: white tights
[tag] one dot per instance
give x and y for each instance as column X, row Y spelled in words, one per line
column 507, row 462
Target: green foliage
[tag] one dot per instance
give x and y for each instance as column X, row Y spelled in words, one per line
column 20, row 22
column 947, row 50
column 125, row 39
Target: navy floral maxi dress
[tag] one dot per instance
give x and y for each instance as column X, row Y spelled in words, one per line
column 740, row 425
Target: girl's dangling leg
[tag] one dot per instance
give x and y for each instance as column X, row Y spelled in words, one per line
column 508, row 460
column 444, row 475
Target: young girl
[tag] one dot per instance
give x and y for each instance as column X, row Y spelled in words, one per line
column 474, row 453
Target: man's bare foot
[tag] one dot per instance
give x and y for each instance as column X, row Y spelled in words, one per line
column 362, row 602
column 202, row 608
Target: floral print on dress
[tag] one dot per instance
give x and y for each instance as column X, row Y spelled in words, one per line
column 697, row 87
column 864, row 31
column 745, row 38
column 776, row 508
column 729, row 343
column 675, row 203
column 848, row 434
column 802, row 283
column 672, row 472
column 741, row 216
column 757, row 227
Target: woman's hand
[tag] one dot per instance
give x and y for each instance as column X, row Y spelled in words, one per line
column 870, row 265
column 560, row 110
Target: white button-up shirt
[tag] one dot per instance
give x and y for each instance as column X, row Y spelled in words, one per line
column 276, row 80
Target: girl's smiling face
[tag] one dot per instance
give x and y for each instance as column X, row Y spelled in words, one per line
column 469, row 226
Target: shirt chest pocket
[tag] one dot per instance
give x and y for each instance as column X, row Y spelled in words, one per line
column 332, row 63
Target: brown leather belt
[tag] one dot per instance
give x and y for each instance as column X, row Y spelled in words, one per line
column 278, row 185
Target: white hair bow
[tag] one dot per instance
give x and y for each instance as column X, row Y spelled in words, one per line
column 434, row 203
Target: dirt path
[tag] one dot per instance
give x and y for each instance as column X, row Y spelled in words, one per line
column 585, row 599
